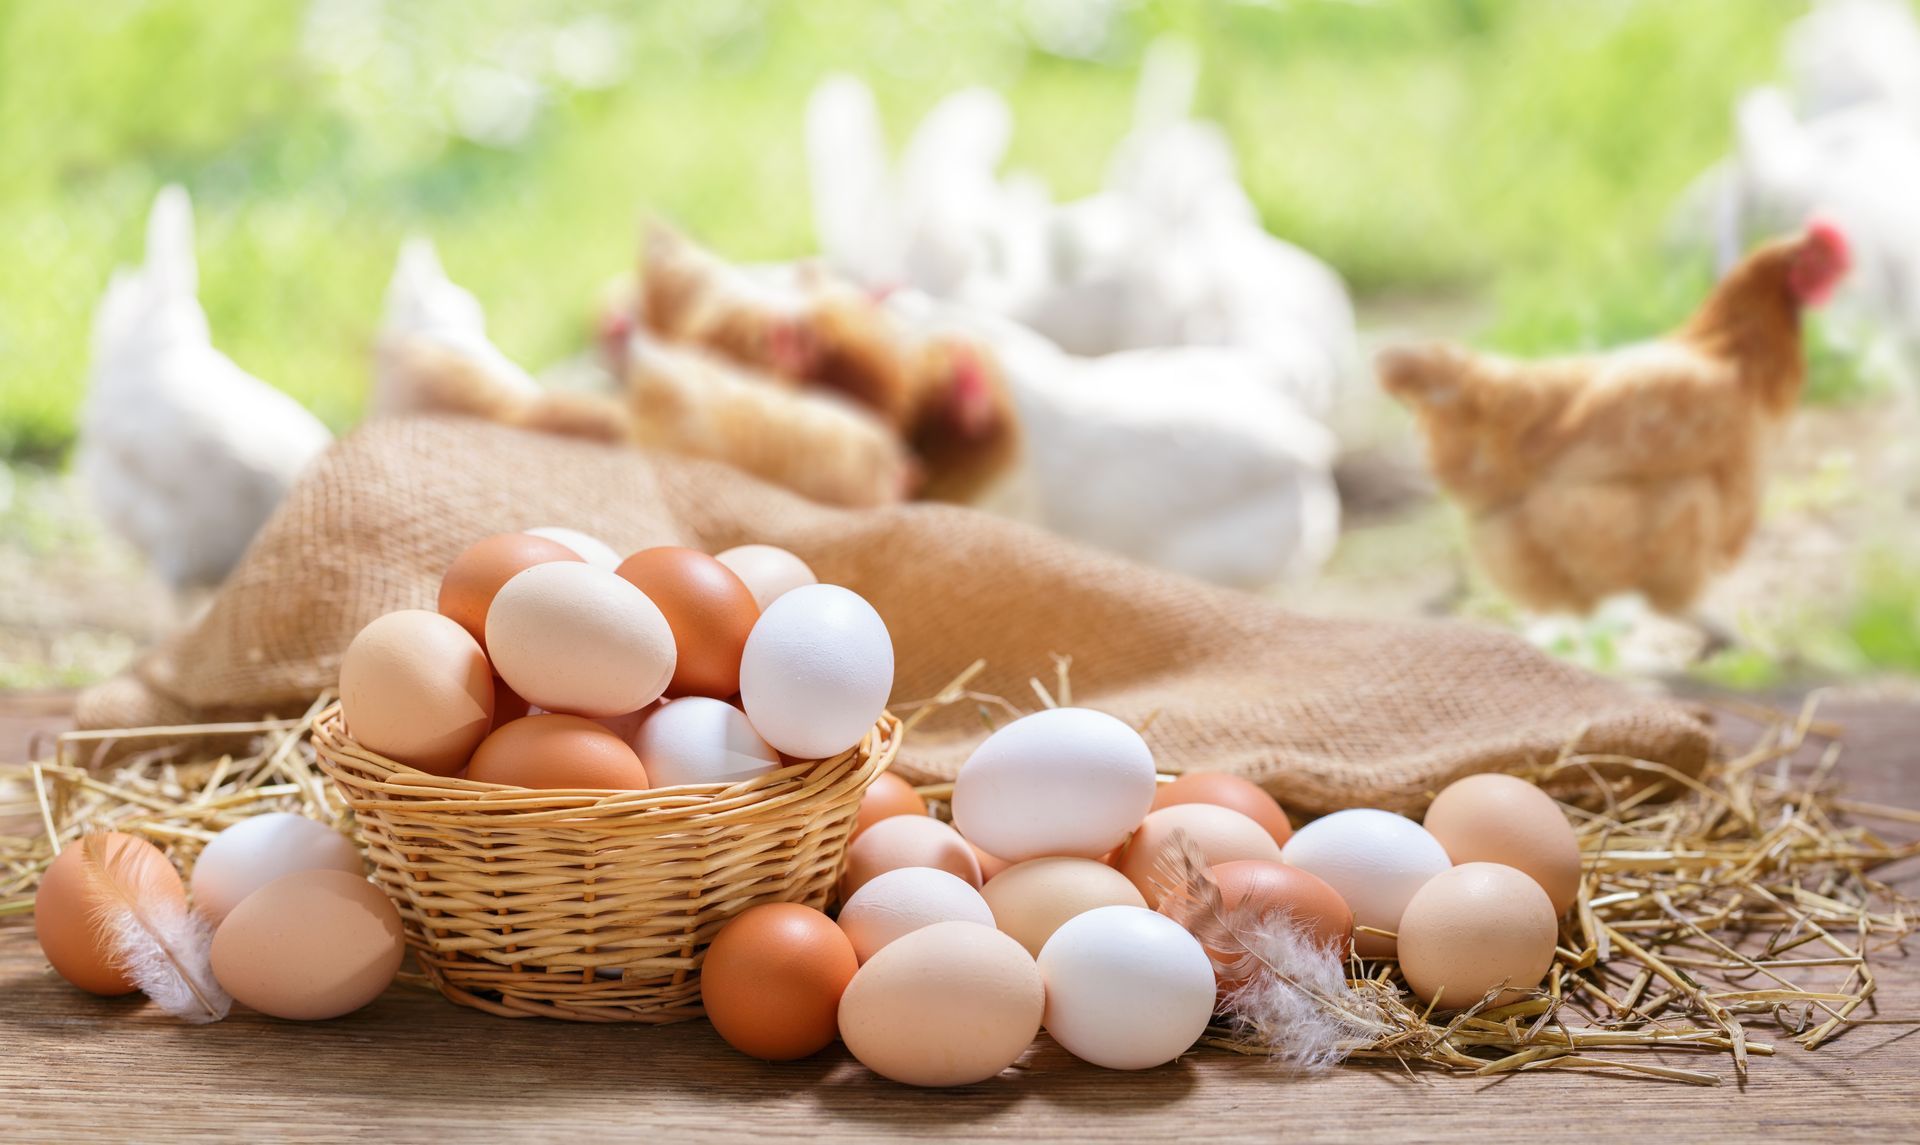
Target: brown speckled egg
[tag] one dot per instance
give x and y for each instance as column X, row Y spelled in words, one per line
column 887, row 796
column 772, row 979
column 907, row 841
column 309, row 946
column 558, row 752
column 475, row 576
column 1231, row 792
column 70, row 894
column 415, row 687
column 710, row 610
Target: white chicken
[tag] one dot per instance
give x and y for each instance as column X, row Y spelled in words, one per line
column 1169, row 253
column 1187, row 457
column 184, row 452
column 1844, row 143
column 429, row 316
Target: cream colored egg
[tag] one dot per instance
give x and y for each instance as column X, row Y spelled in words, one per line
column 1223, row 836
column 1476, row 929
column 1496, row 818
column 903, row 900
column 415, row 687
column 949, row 1004
column 770, row 572
column 907, row 841
column 309, row 946
column 579, row 640
column 1031, row 900
column 590, row 549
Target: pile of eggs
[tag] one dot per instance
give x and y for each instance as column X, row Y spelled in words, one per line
column 954, row 945
column 297, row 930
column 553, row 663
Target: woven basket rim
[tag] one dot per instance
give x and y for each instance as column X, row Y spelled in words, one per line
column 703, row 803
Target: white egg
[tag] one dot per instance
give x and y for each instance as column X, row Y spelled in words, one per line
column 254, row 852
column 1065, row 781
column 769, row 572
column 817, row 670
column 1376, row 860
column 1127, row 988
column 701, row 740
column 902, row 901
column 590, row 549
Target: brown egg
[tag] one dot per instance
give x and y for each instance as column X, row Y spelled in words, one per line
column 1268, row 887
column 1231, row 792
column 1221, row 834
column 309, row 946
column 710, row 610
column 70, row 895
column 1476, row 929
column 508, row 705
column 887, row 796
column 1033, row 899
column 475, row 576
column 772, row 979
column 417, row 689
column 558, row 752
column 1496, row 818
column 907, row 841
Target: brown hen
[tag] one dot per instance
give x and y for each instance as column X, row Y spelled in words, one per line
column 1636, row 471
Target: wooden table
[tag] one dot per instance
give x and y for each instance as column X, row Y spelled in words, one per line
column 412, row 1067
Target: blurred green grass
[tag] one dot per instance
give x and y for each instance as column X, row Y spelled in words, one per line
column 1520, row 150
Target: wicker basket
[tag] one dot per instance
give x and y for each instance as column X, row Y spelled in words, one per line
column 584, row 905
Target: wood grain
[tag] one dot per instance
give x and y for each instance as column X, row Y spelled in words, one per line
column 412, row 1067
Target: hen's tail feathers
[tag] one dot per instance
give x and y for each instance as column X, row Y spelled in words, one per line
column 1417, row 375
column 171, row 268
column 847, row 170
column 1169, row 77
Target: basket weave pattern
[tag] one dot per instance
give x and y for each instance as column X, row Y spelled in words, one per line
column 584, row 905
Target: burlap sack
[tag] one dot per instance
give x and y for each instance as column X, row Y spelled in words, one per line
column 1324, row 713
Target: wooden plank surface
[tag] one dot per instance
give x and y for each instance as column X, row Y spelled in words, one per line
column 412, row 1067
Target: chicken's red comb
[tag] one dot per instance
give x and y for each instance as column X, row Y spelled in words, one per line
column 1825, row 233
column 1820, row 261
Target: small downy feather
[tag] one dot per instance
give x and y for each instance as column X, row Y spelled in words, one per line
column 164, row 948
column 1294, row 1001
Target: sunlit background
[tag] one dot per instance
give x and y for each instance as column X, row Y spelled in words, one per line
column 1528, row 175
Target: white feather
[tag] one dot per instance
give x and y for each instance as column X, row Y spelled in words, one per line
column 162, row 947
column 1297, row 1001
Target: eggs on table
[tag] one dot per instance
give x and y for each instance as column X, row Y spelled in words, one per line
column 550, row 663
column 937, row 997
column 288, row 923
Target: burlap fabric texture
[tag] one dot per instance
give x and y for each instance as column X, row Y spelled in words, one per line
column 1325, row 713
